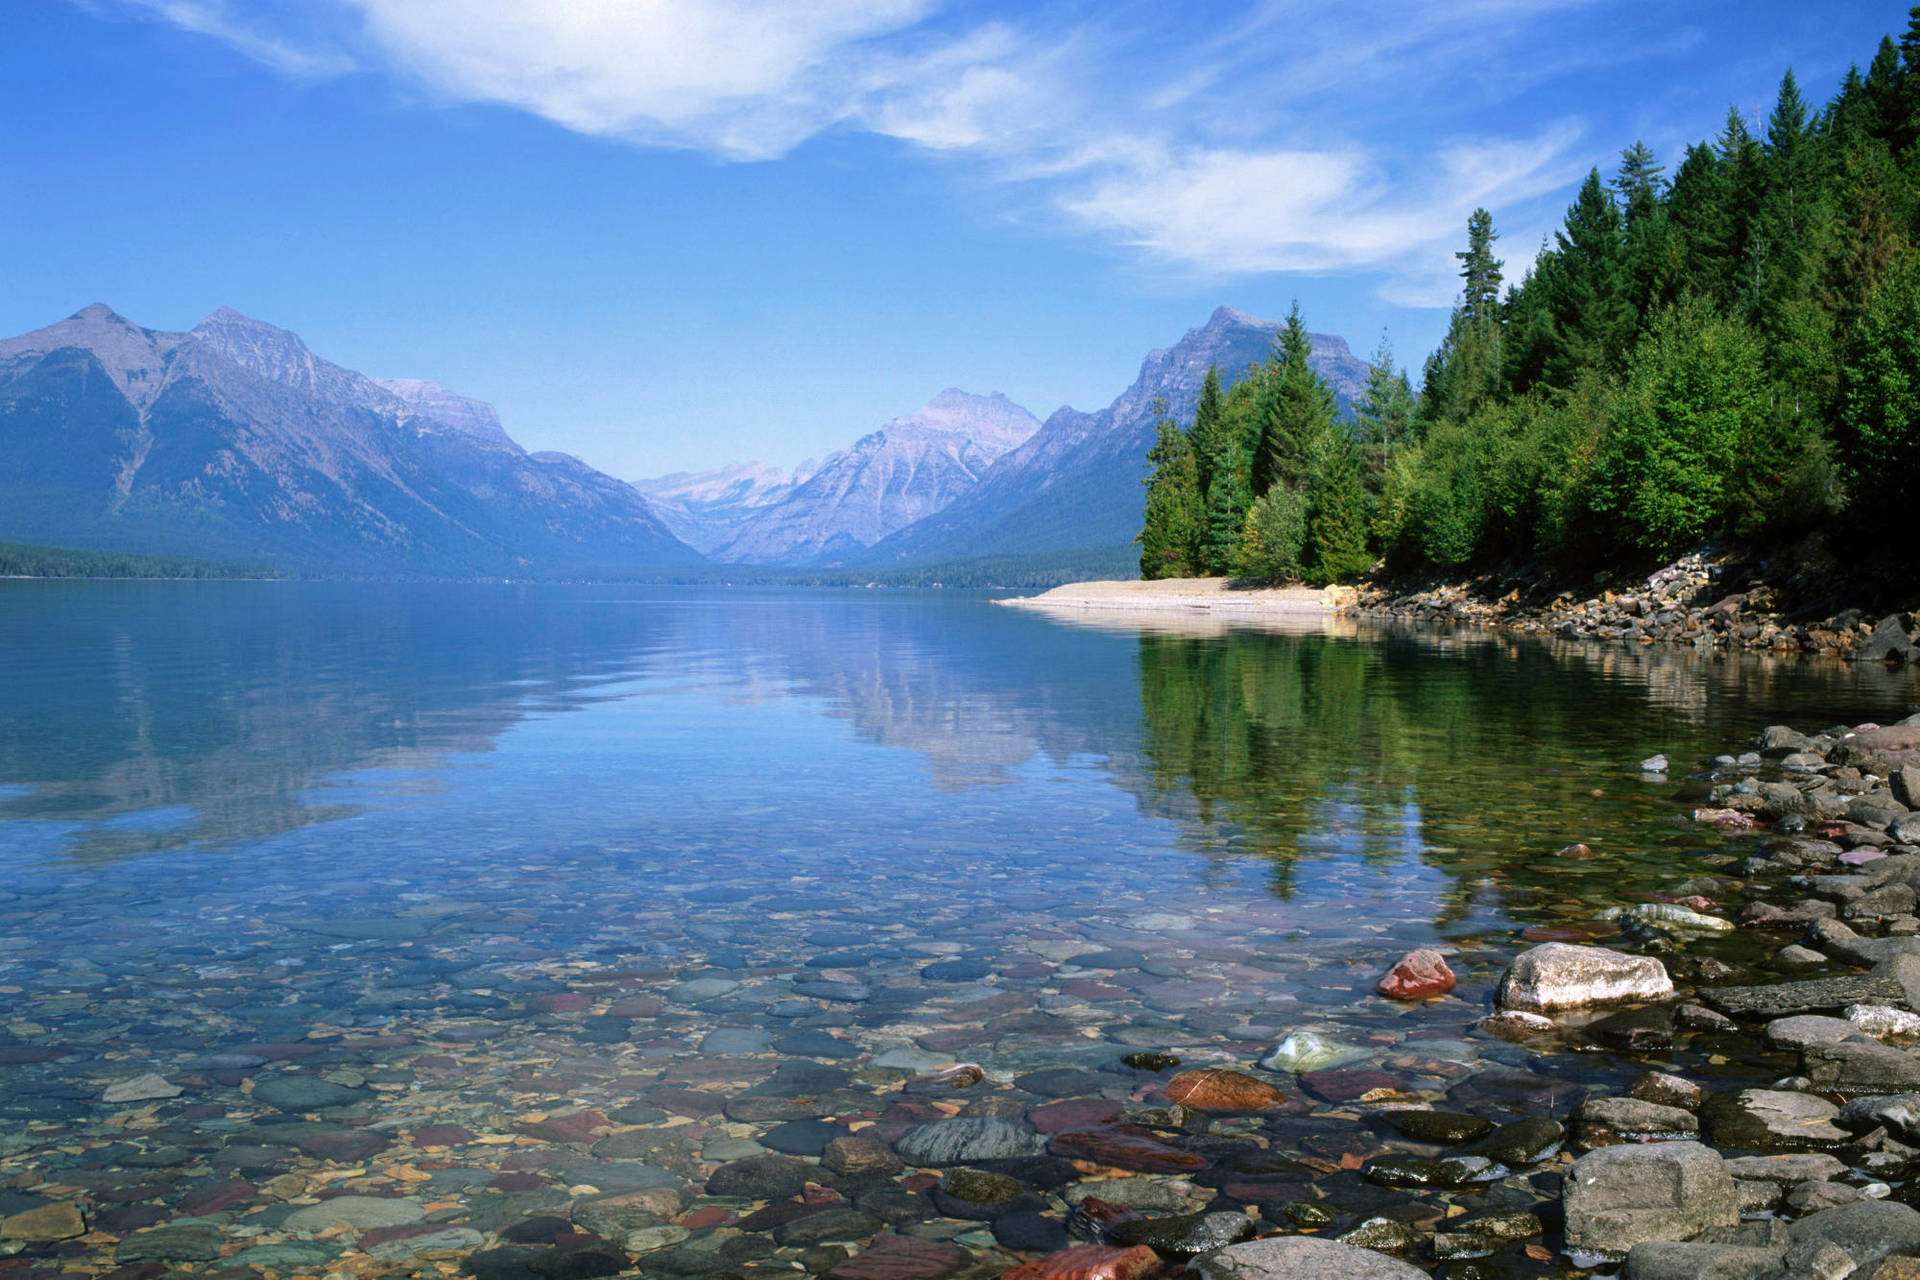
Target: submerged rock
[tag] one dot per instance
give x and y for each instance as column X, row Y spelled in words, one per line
column 1558, row 975
column 1419, row 975
column 1222, row 1090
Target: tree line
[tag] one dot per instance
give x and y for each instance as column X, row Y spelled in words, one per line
column 1732, row 350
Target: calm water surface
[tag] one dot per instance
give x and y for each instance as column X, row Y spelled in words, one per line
column 490, row 857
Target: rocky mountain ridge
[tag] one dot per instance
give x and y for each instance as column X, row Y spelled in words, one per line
column 235, row 440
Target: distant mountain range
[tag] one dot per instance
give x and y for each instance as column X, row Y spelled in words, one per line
column 906, row 471
column 233, row 440
column 1071, row 483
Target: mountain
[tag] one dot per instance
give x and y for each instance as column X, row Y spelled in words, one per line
column 1075, row 483
column 704, row 508
column 910, row 468
column 234, row 440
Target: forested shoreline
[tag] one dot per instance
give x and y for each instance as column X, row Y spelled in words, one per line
column 1727, row 352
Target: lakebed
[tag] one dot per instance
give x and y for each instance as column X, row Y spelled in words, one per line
column 565, row 931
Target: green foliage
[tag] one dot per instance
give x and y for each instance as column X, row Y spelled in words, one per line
column 1275, row 536
column 22, row 560
column 1336, row 510
column 1383, row 414
column 1170, row 537
column 1295, row 407
column 1880, row 416
column 1691, row 406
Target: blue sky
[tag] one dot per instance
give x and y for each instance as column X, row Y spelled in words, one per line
column 666, row 234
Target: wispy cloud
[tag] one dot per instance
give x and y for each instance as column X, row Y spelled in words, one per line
column 1274, row 140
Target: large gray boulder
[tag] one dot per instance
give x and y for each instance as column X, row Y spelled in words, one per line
column 1868, row 1230
column 1618, row 1197
column 1674, row 1260
column 1558, row 975
column 1301, row 1258
column 1860, row 1066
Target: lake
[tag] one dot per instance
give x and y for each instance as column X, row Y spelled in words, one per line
column 475, row 903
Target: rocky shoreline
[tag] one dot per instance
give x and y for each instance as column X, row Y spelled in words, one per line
column 1697, row 601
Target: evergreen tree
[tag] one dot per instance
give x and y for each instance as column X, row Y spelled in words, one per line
column 1169, row 536
column 1648, row 255
column 1885, row 96
column 1383, row 414
column 1296, row 407
column 1337, row 514
column 1480, row 270
column 1208, row 434
column 1228, row 501
column 1590, row 320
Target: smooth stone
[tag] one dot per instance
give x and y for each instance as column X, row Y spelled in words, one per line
column 401, row 1248
column 1773, row 1120
column 699, row 990
column 816, row 1044
column 1186, row 1234
column 60, row 1220
column 1558, row 975
column 1523, row 1142
column 1061, row 1082
column 362, row 1213
column 180, row 1242
column 1300, row 1258
column 1617, row 1197
column 901, row 1257
column 1446, row 1128
column 761, row 1178
column 1309, row 1051
column 142, row 1088
column 840, row 1225
column 1026, row 1231
column 1801, row 1030
column 968, row 1140
column 290, row 1255
column 1632, row 1120
column 1414, row 1171
column 298, row 1094
column 1899, row 1112
column 732, row 1041
column 802, row 1137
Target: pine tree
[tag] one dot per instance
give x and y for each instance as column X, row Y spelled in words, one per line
column 1480, row 270
column 1383, row 414
column 1295, row 407
column 1169, row 535
column 1590, row 319
column 1228, row 501
column 1209, row 431
column 1648, row 262
column 1337, row 515
column 1885, row 92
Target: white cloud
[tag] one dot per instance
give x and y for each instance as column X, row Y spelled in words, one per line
column 1276, row 143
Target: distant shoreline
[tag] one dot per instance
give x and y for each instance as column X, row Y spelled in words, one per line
column 1224, row 596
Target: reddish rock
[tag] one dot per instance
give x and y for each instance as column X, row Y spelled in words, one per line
column 1090, row 1262
column 1216, row 1090
column 711, row 1216
column 1420, row 975
column 1349, row 1086
column 560, row 1002
column 1576, row 851
column 1124, row 1146
column 894, row 1257
column 1075, row 1113
column 636, row 1007
column 224, row 1195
